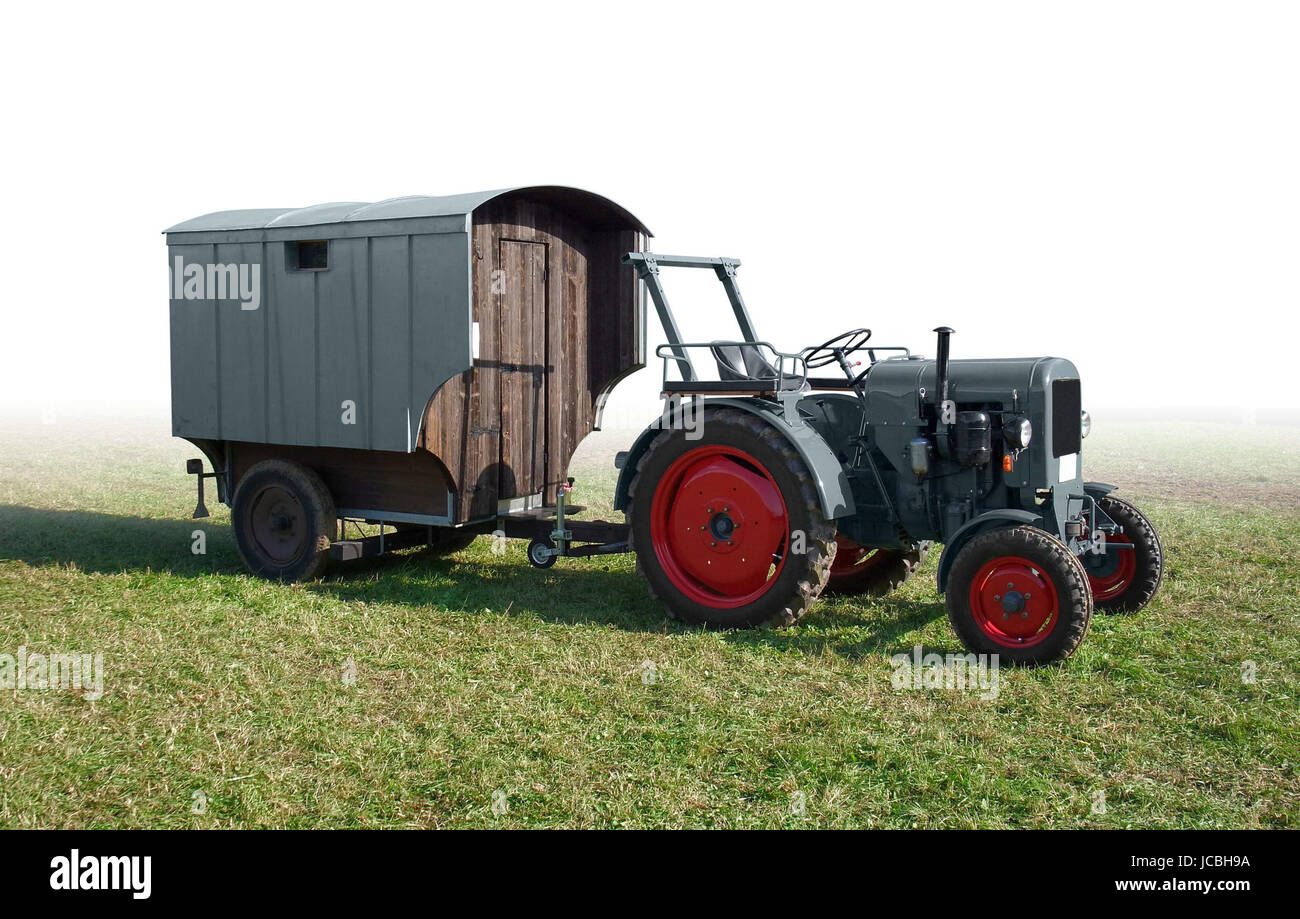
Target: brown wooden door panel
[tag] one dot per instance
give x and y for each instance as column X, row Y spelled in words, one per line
column 523, row 368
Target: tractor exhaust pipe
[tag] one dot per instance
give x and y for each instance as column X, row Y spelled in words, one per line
column 941, row 366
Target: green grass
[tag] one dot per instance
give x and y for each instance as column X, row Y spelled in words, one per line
column 476, row 674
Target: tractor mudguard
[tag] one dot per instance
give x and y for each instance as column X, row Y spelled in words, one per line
column 1001, row 517
column 1097, row 490
column 828, row 472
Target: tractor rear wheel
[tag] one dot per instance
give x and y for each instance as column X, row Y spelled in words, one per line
column 284, row 521
column 859, row 569
column 728, row 530
column 1018, row 592
column 1125, row 580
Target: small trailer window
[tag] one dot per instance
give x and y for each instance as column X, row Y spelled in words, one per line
column 309, row 255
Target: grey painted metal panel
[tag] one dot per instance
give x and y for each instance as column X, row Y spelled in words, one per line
column 229, row 220
column 241, row 353
column 193, row 356
column 343, row 320
column 441, row 321
column 315, row 215
column 291, row 331
column 396, row 208
column 369, row 228
column 390, row 323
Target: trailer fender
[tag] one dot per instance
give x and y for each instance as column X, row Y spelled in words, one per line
column 827, row 471
column 1002, row 517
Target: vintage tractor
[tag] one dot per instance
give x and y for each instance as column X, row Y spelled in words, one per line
column 766, row 486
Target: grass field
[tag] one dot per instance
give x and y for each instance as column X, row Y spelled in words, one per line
column 475, row 691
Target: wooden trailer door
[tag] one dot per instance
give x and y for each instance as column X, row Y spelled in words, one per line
column 523, row 369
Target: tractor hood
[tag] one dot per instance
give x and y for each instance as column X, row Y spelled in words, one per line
column 895, row 385
column 1046, row 390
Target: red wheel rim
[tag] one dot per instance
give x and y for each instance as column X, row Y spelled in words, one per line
column 1109, row 586
column 852, row 558
column 719, row 526
column 1014, row 602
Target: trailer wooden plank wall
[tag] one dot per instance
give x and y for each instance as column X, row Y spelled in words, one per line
column 385, row 322
column 559, row 322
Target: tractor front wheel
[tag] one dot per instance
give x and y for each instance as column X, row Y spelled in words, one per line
column 1125, row 579
column 1018, row 592
column 728, row 531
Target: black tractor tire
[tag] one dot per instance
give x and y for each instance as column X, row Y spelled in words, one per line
column 284, row 520
column 1136, row 588
column 883, row 571
column 749, row 451
column 1018, row 592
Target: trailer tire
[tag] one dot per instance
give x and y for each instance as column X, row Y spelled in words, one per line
column 1019, row 593
column 284, row 520
column 1132, row 580
column 876, row 574
column 745, row 461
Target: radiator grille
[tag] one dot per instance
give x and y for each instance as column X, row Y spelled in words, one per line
column 1066, row 410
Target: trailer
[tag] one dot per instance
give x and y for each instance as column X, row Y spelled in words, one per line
column 428, row 364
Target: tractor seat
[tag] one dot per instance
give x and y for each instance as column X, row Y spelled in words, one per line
column 745, row 363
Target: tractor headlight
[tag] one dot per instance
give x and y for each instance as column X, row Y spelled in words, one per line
column 1085, row 423
column 1017, row 432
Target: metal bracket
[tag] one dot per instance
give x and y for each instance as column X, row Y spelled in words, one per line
column 195, row 468
column 561, row 535
column 647, row 265
column 789, row 399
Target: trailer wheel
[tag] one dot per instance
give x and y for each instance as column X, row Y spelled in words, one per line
column 728, row 530
column 859, row 570
column 1018, row 592
column 284, row 521
column 1126, row 580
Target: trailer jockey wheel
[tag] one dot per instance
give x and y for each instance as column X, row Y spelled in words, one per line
column 859, row 570
column 1124, row 580
column 284, row 521
column 538, row 554
column 1018, row 592
column 728, row 530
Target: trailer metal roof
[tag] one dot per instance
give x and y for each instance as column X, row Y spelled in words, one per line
column 592, row 208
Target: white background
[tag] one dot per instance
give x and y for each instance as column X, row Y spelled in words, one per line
column 1110, row 182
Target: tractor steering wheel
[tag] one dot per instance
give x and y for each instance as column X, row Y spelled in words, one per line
column 828, row 353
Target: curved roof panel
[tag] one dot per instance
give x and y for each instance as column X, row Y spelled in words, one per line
column 591, row 208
